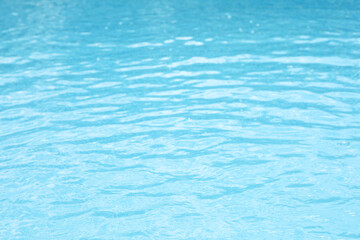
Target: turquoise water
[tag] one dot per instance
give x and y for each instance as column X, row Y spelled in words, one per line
column 179, row 119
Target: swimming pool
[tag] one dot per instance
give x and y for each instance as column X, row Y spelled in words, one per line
column 179, row 119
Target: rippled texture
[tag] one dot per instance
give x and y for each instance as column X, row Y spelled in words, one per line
column 179, row 119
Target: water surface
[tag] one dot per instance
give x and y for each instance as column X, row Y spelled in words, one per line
column 179, row 119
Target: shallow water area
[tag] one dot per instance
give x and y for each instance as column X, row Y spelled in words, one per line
column 179, row 119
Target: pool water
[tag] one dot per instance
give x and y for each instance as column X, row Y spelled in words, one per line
column 179, row 119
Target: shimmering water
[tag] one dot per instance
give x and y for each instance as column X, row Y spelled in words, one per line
column 179, row 119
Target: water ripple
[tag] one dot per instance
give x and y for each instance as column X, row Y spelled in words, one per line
column 189, row 121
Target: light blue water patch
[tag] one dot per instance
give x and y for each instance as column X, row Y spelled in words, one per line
column 179, row 119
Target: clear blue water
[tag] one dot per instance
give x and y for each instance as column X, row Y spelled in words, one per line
column 179, row 119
